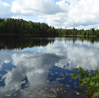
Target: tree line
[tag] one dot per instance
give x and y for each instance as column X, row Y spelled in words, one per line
column 21, row 27
column 74, row 32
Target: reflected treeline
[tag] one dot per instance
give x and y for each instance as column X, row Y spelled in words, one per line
column 90, row 39
column 20, row 42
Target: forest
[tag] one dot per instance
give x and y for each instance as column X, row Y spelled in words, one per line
column 78, row 33
column 22, row 27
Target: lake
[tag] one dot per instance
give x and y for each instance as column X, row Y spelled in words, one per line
column 42, row 67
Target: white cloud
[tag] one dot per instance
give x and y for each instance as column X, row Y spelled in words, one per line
column 61, row 14
column 28, row 7
column 77, row 13
column 84, row 12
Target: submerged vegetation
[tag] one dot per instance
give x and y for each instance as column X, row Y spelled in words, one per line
column 88, row 81
column 21, row 27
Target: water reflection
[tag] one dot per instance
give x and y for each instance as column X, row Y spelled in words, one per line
column 45, row 71
column 76, row 54
column 20, row 42
column 34, row 73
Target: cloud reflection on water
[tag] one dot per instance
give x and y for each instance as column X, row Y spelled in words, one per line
column 36, row 66
column 82, row 54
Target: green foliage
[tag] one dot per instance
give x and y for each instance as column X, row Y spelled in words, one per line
column 21, row 27
column 74, row 32
column 89, row 80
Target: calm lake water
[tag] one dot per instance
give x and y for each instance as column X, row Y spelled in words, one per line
column 42, row 67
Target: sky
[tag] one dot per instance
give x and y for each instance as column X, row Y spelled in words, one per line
column 80, row 14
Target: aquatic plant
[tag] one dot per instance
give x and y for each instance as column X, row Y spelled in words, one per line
column 90, row 81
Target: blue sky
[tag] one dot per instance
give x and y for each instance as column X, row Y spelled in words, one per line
column 58, row 13
column 8, row 1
